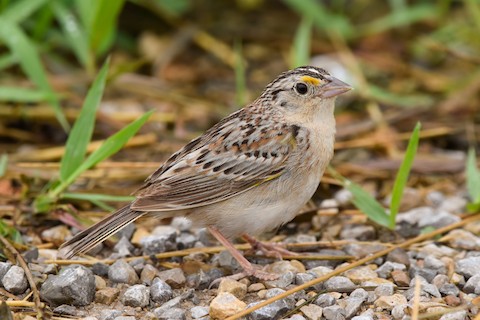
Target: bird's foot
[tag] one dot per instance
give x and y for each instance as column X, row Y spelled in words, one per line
column 272, row 250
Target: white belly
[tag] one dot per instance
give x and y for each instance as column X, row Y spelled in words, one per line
column 263, row 208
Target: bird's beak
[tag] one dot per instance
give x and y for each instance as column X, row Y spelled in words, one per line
column 334, row 88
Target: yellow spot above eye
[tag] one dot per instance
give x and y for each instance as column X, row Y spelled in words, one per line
column 311, row 80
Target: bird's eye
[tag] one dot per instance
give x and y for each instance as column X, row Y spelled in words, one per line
column 301, row 88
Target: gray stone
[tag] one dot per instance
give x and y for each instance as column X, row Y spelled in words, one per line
column 271, row 311
column 225, row 259
column 109, row 314
column 339, row 283
column 325, row 300
column 122, row 272
column 170, row 233
column 468, row 266
column 427, row 289
column 334, row 312
column 384, row 289
column 123, row 248
column 282, row 282
column 359, row 293
column 74, row 285
column 4, row 267
column 174, row 277
column 296, row 317
column 136, row 296
column 440, row 280
column 125, row 318
column 363, row 317
column 358, row 232
column 400, row 256
column 454, row 204
column 138, row 265
column 153, row 244
column 449, row 289
column 173, row 303
column 352, row 306
column 438, row 219
column 200, row 280
column 343, row 197
column 301, row 278
column 472, row 285
column 160, row 291
column 148, row 273
column 433, row 263
column 457, row 315
column 362, row 250
column 386, row 269
column 428, row 274
column 15, row 281
column 198, row 312
column 186, row 240
column 312, row 311
column 398, row 312
column 100, row 269
column 172, row 314
column 68, row 310
column 463, row 239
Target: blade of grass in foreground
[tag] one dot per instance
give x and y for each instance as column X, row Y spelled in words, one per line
column 81, row 134
column 301, row 43
column 112, row 145
column 3, row 164
column 21, row 46
column 472, row 176
column 402, row 175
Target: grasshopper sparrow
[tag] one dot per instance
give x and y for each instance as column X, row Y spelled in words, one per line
column 251, row 172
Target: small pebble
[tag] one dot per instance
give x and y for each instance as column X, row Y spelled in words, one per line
column 384, row 290
column 160, row 291
column 282, row 282
column 109, row 314
column 198, row 312
column 385, row 270
column 254, row 287
column 106, row 295
column 472, row 285
column 122, row 272
column 400, row 278
column 14, row 280
column 339, row 283
column 360, row 274
column 457, row 315
column 236, row 288
column 325, row 300
column 312, row 311
column 334, row 312
column 174, row 277
column 224, row 305
column 463, row 239
column 389, row 302
column 136, row 296
column 74, row 285
column 172, row 314
column 148, row 273
column 284, row 266
column 468, row 266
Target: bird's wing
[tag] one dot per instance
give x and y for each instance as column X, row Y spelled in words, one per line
column 232, row 157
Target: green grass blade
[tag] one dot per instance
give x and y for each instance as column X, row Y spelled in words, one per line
column 75, row 34
column 240, row 81
column 3, row 164
column 367, row 204
column 103, row 24
column 20, row 10
column 403, row 173
column 301, row 43
column 81, row 134
column 15, row 94
column 321, row 17
column 112, row 145
column 7, row 60
column 472, row 176
column 30, row 62
column 96, row 197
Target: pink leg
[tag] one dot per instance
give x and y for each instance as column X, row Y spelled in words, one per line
column 269, row 249
column 244, row 263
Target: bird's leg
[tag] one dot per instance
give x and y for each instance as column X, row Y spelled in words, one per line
column 273, row 250
column 249, row 269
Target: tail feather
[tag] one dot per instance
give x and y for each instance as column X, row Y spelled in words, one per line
column 89, row 238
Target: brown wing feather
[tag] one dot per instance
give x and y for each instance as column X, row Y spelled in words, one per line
column 240, row 157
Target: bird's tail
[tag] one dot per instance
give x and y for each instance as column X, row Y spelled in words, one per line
column 89, row 238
